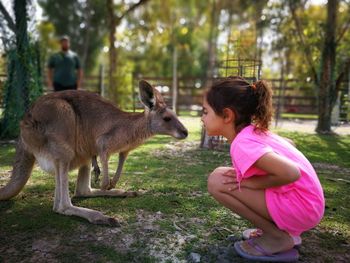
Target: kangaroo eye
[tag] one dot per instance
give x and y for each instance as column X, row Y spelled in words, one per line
column 167, row 119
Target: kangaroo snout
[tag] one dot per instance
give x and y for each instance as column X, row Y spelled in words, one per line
column 182, row 134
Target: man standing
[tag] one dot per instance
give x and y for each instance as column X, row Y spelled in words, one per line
column 64, row 69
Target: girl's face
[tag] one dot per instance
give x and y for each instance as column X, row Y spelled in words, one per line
column 213, row 123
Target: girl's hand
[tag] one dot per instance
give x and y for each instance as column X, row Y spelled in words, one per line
column 231, row 180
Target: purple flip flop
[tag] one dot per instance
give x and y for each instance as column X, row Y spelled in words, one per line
column 291, row 255
column 255, row 232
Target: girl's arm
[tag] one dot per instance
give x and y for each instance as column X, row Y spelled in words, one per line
column 280, row 171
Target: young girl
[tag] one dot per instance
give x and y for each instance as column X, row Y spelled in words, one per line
column 271, row 183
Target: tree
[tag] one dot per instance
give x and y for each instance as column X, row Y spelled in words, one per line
column 23, row 69
column 114, row 22
column 327, row 87
column 248, row 47
column 150, row 33
column 328, row 74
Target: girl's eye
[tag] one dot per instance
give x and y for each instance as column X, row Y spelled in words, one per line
column 167, row 119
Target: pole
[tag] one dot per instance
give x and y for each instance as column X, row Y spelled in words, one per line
column 174, row 100
column 101, row 88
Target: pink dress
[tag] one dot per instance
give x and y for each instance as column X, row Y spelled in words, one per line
column 295, row 207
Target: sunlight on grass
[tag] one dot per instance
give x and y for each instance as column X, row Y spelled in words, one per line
column 174, row 176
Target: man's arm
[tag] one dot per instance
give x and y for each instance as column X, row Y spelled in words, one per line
column 50, row 72
column 79, row 77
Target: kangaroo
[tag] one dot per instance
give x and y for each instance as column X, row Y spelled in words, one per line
column 64, row 130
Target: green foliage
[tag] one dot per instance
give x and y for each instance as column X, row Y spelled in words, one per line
column 48, row 42
column 2, row 63
column 312, row 20
column 123, row 87
column 83, row 21
column 14, row 96
column 23, row 83
column 153, row 32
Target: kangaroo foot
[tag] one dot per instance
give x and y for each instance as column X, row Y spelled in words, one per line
column 93, row 216
column 114, row 192
column 111, row 193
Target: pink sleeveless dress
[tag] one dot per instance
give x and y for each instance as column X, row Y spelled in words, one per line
column 295, row 207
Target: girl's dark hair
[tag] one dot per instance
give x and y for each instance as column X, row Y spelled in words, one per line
column 251, row 103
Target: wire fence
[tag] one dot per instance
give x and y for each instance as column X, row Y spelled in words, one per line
column 292, row 97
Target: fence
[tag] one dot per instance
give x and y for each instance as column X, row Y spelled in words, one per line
column 290, row 96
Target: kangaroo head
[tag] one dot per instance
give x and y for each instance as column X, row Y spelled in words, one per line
column 162, row 119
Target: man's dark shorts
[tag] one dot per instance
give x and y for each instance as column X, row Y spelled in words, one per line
column 59, row 87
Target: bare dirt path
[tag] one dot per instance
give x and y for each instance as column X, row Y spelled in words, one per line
column 308, row 126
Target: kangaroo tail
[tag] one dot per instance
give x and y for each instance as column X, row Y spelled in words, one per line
column 22, row 169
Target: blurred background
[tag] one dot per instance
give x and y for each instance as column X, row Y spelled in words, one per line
column 301, row 47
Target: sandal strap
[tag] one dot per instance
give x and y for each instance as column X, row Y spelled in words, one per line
column 257, row 247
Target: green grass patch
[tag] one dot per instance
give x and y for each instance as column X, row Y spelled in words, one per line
column 331, row 149
column 176, row 214
column 299, row 116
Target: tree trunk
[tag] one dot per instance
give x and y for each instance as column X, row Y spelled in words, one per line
column 112, row 40
column 86, row 46
column 212, row 43
column 327, row 88
column 114, row 21
column 22, row 43
column 281, row 89
column 175, row 82
column 259, row 29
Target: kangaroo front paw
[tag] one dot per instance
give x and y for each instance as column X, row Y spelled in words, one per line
column 106, row 184
column 110, row 186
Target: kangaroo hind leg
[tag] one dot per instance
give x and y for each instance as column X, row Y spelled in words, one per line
column 63, row 204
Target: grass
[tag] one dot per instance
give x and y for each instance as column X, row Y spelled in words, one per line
column 299, row 116
column 176, row 216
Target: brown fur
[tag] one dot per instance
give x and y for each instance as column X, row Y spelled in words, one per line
column 64, row 130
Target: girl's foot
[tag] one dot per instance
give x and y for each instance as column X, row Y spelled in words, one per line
column 256, row 232
column 291, row 255
column 267, row 243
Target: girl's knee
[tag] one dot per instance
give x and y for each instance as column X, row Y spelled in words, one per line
column 215, row 180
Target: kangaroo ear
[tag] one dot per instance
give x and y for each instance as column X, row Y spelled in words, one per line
column 146, row 94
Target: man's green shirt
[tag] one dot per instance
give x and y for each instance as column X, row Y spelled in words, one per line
column 65, row 66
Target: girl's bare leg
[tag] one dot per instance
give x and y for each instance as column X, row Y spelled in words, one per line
column 250, row 204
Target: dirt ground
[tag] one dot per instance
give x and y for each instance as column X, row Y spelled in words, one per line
column 308, row 126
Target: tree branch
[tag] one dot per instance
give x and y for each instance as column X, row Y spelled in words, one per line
column 7, row 17
column 131, row 8
column 341, row 75
column 342, row 33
